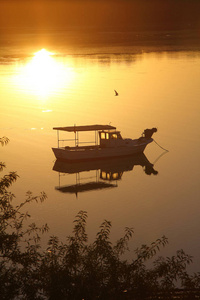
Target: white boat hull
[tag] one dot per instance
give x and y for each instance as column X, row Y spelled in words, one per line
column 82, row 154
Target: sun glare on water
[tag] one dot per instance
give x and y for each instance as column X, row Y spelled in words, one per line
column 44, row 75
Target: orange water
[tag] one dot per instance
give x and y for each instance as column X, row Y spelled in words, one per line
column 157, row 89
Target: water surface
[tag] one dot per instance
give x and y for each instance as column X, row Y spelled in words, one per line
column 156, row 89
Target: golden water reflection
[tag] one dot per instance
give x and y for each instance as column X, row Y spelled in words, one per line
column 99, row 174
column 43, row 74
column 155, row 90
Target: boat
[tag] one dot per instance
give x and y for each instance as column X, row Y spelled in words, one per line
column 108, row 143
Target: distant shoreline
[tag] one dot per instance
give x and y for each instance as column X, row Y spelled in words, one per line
column 74, row 42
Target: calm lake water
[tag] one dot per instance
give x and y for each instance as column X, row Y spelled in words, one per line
column 156, row 89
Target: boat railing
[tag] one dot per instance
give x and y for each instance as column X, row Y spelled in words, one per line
column 77, row 141
column 89, row 142
column 88, row 147
column 64, row 140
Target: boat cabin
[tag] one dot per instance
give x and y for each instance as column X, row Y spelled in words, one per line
column 109, row 138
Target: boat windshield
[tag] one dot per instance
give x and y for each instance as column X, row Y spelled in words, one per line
column 110, row 135
column 115, row 135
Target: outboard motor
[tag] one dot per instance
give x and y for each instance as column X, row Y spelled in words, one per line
column 149, row 132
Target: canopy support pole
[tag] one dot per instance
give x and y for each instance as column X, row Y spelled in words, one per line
column 58, row 137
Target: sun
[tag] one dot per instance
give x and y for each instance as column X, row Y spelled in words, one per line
column 43, row 54
column 44, row 74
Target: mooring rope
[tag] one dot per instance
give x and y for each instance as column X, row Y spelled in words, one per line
column 161, row 155
column 161, row 146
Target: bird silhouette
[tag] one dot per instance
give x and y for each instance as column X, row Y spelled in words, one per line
column 116, row 93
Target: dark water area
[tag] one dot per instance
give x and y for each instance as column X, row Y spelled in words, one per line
column 137, row 15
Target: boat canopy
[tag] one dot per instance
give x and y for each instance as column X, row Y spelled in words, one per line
column 85, row 128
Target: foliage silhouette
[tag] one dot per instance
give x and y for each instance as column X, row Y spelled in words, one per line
column 78, row 270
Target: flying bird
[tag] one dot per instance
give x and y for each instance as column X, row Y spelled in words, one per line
column 116, row 93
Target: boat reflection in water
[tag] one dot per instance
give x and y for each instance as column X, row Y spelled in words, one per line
column 107, row 172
